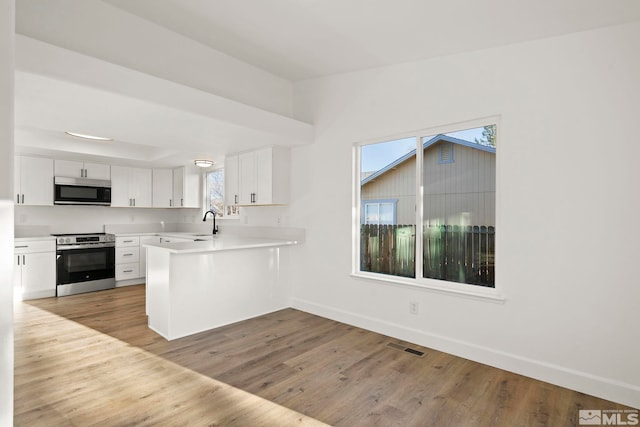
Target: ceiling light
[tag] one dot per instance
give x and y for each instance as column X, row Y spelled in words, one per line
column 95, row 138
column 203, row 163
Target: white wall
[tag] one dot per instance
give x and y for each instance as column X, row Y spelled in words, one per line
column 91, row 219
column 6, row 211
column 566, row 230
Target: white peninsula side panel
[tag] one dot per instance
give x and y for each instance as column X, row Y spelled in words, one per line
column 190, row 292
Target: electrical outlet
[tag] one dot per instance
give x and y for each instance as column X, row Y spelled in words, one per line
column 414, row 307
column 279, row 220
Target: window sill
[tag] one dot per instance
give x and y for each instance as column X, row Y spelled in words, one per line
column 449, row 288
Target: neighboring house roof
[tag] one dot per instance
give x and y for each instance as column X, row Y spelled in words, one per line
column 431, row 142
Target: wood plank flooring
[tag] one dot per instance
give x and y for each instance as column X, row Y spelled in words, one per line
column 91, row 360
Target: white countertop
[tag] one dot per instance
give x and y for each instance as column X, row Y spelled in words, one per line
column 33, row 238
column 221, row 243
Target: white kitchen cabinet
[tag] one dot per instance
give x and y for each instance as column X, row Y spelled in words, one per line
column 127, row 255
column 162, row 188
column 33, row 181
column 35, row 268
column 131, row 187
column 231, row 180
column 127, row 258
column 77, row 169
column 127, row 271
column 186, row 187
column 169, row 239
column 246, row 178
column 262, row 177
column 176, row 188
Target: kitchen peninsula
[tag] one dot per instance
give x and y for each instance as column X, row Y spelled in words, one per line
column 197, row 286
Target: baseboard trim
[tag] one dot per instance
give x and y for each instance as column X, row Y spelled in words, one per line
column 605, row 388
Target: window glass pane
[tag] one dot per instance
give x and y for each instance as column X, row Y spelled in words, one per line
column 387, row 231
column 215, row 191
column 371, row 213
column 459, row 206
column 386, row 213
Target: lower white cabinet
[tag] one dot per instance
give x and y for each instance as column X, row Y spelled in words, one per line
column 131, row 255
column 35, row 268
column 164, row 239
column 128, row 258
column 127, row 271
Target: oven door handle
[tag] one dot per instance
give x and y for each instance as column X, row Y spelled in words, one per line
column 90, row 246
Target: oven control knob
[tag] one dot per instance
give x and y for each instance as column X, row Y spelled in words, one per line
column 67, row 240
column 61, row 240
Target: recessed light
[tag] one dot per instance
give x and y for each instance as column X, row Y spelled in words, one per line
column 203, row 163
column 95, row 138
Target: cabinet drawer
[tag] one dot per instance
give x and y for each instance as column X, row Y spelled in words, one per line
column 127, row 241
column 127, row 271
column 33, row 246
column 127, row 255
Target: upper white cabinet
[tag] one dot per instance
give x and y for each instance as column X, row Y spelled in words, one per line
column 262, row 177
column 82, row 169
column 176, row 188
column 131, row 187
column 34, row 181
column 186, row 188
column 162, row 188
column 231, row 180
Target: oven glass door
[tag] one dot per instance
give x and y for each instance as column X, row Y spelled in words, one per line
column 82, row 265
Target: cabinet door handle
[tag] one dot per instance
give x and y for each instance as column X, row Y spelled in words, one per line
column 170, row 202
column 181, row 202
column 24, row 262
column 18, row 259
column 134, row 202
column 23, row 199
column 127, row 241
column 127, row 271
column 127, row 254
column 18, row 198
column 22, row 246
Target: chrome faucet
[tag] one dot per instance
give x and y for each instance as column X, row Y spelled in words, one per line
column 213, row 212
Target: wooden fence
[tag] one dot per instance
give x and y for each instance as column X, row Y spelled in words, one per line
column 388, row 249
column 453, row 253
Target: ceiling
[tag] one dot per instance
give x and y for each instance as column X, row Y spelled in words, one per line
column 292, row 40
column 302, row 39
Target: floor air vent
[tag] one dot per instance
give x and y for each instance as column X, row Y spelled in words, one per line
column 406, row 349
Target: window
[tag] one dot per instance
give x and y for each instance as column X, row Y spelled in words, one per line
column 214, row 194
column 379, row 212
column 446, row 196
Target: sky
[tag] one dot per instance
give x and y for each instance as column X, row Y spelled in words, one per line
column 376, row 156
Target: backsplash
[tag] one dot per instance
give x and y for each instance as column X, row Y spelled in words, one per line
column 88, row 219
column 32, row 221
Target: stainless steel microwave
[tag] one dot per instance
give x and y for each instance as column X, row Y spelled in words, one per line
column 81, row 191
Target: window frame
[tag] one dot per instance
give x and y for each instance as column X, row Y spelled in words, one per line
column 205, row 195
column 494, row 294
column 392, row 202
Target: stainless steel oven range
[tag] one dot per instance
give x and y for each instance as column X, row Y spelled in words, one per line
column 85, row 263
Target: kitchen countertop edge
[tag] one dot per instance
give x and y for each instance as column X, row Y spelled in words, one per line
column 219, row 244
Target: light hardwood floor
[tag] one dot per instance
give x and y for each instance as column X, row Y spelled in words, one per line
column 91, row 360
